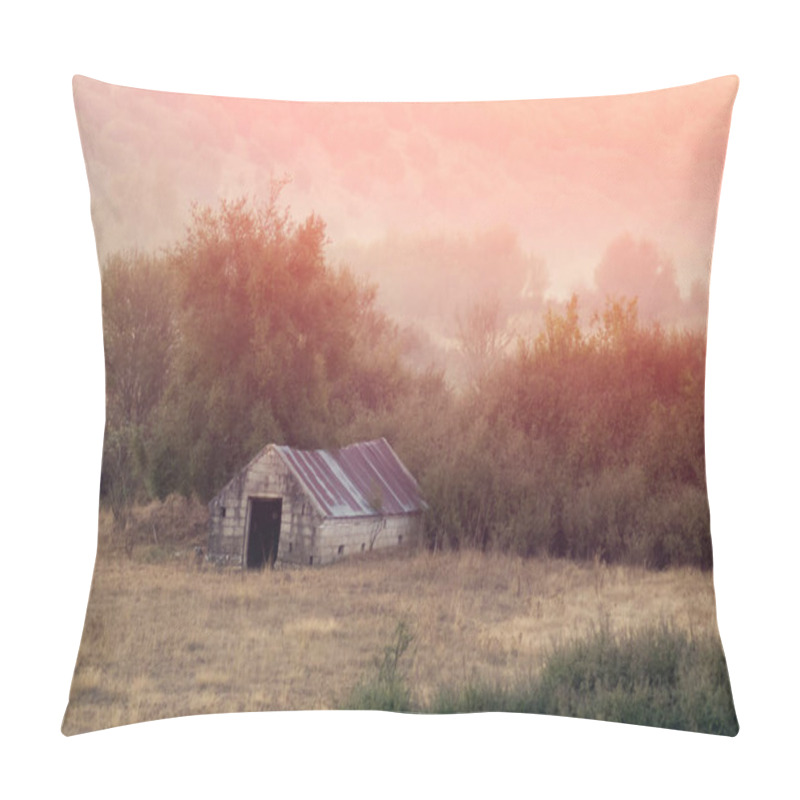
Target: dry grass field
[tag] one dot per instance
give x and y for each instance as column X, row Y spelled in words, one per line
column 169, row 639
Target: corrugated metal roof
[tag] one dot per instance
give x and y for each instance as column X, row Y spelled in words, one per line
column 360, row 480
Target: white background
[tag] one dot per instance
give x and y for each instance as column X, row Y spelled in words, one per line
column 53, row 393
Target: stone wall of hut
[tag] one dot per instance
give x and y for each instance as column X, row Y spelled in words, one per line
column 267, row 476
column 339, row 537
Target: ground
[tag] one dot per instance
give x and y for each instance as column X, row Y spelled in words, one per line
column 173, row 638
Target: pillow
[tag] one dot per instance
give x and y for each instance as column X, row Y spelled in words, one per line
column 404, row 407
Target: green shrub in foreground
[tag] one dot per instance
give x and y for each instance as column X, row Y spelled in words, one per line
column 657, row 676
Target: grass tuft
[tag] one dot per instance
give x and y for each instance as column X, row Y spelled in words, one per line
column 388, row 690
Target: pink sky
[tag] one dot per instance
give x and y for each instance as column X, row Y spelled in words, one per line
column 566, row 177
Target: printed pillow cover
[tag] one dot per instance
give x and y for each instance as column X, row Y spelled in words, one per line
column 404, row 407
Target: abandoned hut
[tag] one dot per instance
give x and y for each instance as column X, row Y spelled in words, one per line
column 314, row 506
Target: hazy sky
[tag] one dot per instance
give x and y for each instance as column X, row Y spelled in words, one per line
column 565, row 177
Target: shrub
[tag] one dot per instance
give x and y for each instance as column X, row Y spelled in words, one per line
column 657, row 676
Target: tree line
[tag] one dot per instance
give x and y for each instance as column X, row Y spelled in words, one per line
column 584, row 441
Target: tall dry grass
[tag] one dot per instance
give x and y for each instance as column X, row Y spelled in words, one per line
column 170, row 639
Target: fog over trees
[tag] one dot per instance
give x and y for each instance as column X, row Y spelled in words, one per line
column 459, row 195
column 573, row 428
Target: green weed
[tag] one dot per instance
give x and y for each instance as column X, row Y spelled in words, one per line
column 388, row 690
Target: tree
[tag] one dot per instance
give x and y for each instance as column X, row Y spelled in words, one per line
column 482, row 337
column 139, row 336
column 562, row 336
column 274, row 344
column 637, row 269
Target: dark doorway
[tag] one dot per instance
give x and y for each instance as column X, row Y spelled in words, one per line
column 265, row 530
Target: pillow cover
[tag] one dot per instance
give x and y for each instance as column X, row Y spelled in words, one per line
column 397, row 387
